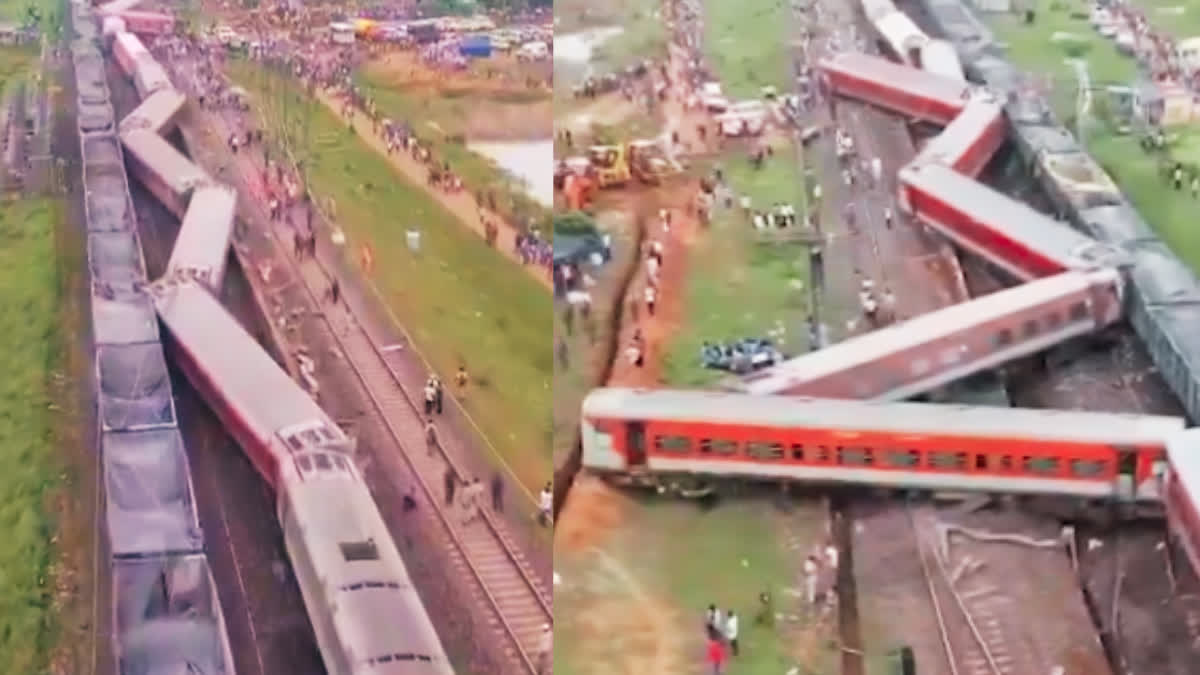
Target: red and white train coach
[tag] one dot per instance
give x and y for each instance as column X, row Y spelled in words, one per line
column 201, row 250
column 1182, row 493
column 932, row 350
column 368, row 618
column 1007, row 233
column 917, row 94
column 164, row 171
column 147, row 23
column 685, row 435
column 968, row 143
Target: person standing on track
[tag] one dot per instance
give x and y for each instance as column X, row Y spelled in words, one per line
column 431, row 438
column 497, row 492
column 545, row 651
column 472, row 494
column 450, row 481
column 430, row 395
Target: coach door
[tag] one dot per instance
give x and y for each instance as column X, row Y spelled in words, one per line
column 635, row 444
column 1126, row 473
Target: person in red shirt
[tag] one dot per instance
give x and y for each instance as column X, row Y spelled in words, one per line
column 716, row 655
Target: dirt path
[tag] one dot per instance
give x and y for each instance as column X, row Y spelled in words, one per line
column 461, row 204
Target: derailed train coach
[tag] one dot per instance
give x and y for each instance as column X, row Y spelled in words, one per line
column 1164, row 294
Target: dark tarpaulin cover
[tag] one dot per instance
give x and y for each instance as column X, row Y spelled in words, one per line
column 135, row 390
column 150, row 503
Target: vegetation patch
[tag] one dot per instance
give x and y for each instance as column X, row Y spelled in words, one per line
column 33, row 420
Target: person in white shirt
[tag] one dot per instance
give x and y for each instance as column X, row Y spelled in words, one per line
column 546, row 506
column 810, row 579
column 831, row 557
column 651, row 296
column 731, row 631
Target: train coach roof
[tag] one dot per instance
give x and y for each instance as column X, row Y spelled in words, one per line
column 163, row 159
column 206, row 229
column 156, row 112
column 964, row 130
column 1019, row 222
column 895, row 76
column 247, row 376
column 915, row 332
column 869, row 416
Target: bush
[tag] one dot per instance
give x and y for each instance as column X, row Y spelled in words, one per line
column 576, row 223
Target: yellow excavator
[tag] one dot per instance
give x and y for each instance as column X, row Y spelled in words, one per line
column 649, row 163
column 610, row 165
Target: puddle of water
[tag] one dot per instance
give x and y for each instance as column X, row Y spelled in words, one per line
column 530, row 162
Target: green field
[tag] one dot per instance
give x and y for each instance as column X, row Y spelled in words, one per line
column 749, row 289
column 460, row 300
column 31, row 424
column 645, row 570
column 746, row 45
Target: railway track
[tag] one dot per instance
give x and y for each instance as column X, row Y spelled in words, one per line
column 971, row 647
column 503, row 582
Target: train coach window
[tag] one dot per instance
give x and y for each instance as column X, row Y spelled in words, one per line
column 674, row 444
column 1042, row 465
column 948, row 460
column 823, row 454
column 855, row 456
column 798, row 453
column 322, row 462
column 354, row 551
column 920, row 367
column 1053, row 320
column 718, row 446
column 305, row 463
column 340, row 463
column 1030, row 328
column 312, row 437
column 1002, row 338
column 1088, row 468
column 764, row 451
column 1079, row 311
column 905, row 459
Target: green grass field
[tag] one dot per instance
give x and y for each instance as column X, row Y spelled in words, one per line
column 30, row 355
column 644, row 591
column 747, row 289
column 462, row 301
column 746, row 44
